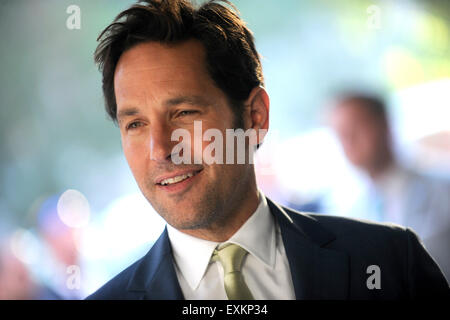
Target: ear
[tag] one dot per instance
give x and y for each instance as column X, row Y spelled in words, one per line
column 257, row 112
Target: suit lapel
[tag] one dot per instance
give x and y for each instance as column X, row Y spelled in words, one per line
column 317, row 272
column 155, row 277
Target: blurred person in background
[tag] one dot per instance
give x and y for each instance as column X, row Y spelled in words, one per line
column 16, row 280
column 59, row 247
column 389, row 191
column 42, row 262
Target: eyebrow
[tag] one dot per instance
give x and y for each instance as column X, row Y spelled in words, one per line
column 192, row 100
column 127, row 112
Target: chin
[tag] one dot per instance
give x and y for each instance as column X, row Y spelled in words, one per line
column 190, row 221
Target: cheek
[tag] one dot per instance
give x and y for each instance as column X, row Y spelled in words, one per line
column 364, row 149
column 135, row 153
column 348, row 142
column 199, row 143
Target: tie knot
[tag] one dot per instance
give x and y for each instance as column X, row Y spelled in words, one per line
column 231, row 257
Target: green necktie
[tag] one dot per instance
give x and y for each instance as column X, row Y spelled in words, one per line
column 231, row 258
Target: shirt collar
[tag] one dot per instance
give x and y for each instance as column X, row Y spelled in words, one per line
column 191, row 255
column 257, row 235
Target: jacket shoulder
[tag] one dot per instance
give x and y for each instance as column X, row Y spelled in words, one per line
column 395, row 249
column 343, row 227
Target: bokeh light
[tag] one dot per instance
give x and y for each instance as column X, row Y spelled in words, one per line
column 73, row 209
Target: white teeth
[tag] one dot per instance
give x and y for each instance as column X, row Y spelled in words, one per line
column 176, row 179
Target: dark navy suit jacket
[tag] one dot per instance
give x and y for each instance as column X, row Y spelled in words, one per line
column 328, row 258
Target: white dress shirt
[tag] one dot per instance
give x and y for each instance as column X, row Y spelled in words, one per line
column 265, row 269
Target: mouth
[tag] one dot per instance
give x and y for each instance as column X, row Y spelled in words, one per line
column 178, row 181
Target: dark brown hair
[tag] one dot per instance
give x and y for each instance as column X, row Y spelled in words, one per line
column 370, row 103
column 231, row 58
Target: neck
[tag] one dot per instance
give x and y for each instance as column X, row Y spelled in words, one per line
column 240, row 207
column 378, row 168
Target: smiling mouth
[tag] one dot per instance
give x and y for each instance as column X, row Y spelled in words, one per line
column 178, row 179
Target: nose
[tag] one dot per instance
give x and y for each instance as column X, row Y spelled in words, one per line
column 160, row 144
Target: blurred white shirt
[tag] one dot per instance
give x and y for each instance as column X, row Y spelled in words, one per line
column 404, row 197
column 400, row 196
column 265, row 269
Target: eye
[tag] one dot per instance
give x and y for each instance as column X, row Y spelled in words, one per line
column 134, row 125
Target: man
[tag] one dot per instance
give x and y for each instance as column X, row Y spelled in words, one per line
column 167, row 66
column 388, row 191
column 17, row 281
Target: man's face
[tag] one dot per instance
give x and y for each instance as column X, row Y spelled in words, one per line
column 161, row 88
column 362, row 135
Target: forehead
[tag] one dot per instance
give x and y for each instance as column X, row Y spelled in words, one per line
column 151, row 73
column 156, row 62
column 351, row 111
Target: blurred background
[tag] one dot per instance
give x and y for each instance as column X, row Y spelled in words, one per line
column 71, row 214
